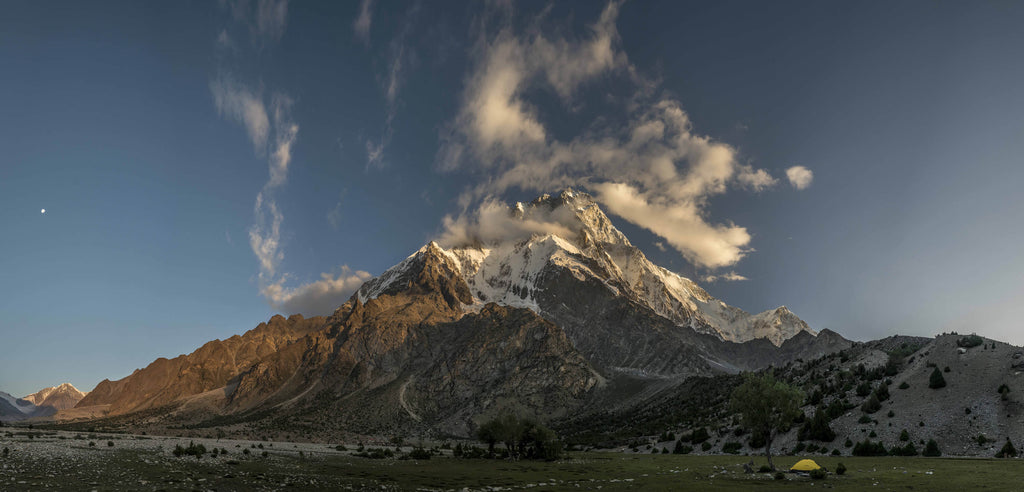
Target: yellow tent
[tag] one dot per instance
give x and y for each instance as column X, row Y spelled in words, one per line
column 805, row 466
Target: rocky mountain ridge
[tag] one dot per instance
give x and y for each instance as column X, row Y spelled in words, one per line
column 542, row 325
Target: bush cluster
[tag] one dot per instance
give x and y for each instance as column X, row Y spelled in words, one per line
column 193, row 449
column 522, row 437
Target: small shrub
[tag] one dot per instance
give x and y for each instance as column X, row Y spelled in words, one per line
column 244, row 451
column 110, row 444
column 931, row 449
column 981, row 440
column 873, row 434
column 92, row 444
column 903, row 385
column 840, row 469
column 1004, row 392
column 764, row 469
column 340, row 447
column 967, row 411
column 705, row 446
column 868, row 448
column 848, row 443
column 7, row 452
column 779, row 476
column 682, row 448
column 864, row 419
column 835, row 452
column 699, row 435
column 265, row 454
column 1008, row 451
column 419, row 454
column 732, row 447
column 872, row 404
column 818, row 474
column 799, row 448
column 970, row 341
column 904, row 435
column 945, row 369
column 891, row 414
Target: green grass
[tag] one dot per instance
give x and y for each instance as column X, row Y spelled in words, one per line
column 124, row 470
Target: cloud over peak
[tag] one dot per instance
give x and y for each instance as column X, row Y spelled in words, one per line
column 653, row 170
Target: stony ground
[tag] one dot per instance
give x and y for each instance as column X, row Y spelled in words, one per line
column 83, row 461
column 69, row 461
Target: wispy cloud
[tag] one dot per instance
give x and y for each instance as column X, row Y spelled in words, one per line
column 316, row 298
column 800, row 177
column 266, row 19
column 725, row 277
column 273, row 133
column 361, row 26
column 271, row 19
column 242, row 105
column 400, row 56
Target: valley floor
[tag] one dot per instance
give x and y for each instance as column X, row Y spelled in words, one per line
column 82, row 461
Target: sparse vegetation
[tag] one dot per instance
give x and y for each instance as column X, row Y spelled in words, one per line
column 931, row 449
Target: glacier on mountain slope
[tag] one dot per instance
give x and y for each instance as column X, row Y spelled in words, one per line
column 508, row 273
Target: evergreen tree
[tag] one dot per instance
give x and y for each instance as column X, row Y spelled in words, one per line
column 936, row 381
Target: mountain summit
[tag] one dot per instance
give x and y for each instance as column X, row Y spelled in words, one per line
column 570, row 233
column 61, row 397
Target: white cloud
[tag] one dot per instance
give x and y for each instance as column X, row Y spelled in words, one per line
column 285, row 133
column 654, row 171
column 661, row 246
column 317, row 298
column 800, row 177
column 265, row 236
column 494, row 222
column 756, row 179
column 725, row 277
column 241, row 104
column 361, row 26
column 678, row 222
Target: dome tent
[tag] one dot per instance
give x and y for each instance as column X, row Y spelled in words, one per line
column 805, row 466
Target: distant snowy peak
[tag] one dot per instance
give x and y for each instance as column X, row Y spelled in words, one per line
column 59, row 397
column 515, row 272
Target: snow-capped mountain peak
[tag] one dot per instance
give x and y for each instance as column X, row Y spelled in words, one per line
column 516, row 272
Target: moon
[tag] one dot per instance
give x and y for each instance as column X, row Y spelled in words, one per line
column 43, row 211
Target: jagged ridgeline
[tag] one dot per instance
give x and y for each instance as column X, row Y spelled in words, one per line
column 546, row 324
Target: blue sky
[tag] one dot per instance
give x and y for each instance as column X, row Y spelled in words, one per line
column 205, row 165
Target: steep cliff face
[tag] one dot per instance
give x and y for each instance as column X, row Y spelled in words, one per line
column 210, row 367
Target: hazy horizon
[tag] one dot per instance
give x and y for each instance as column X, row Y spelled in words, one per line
column 177, row 172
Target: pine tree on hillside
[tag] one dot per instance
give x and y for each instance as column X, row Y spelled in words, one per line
column 936, row 381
